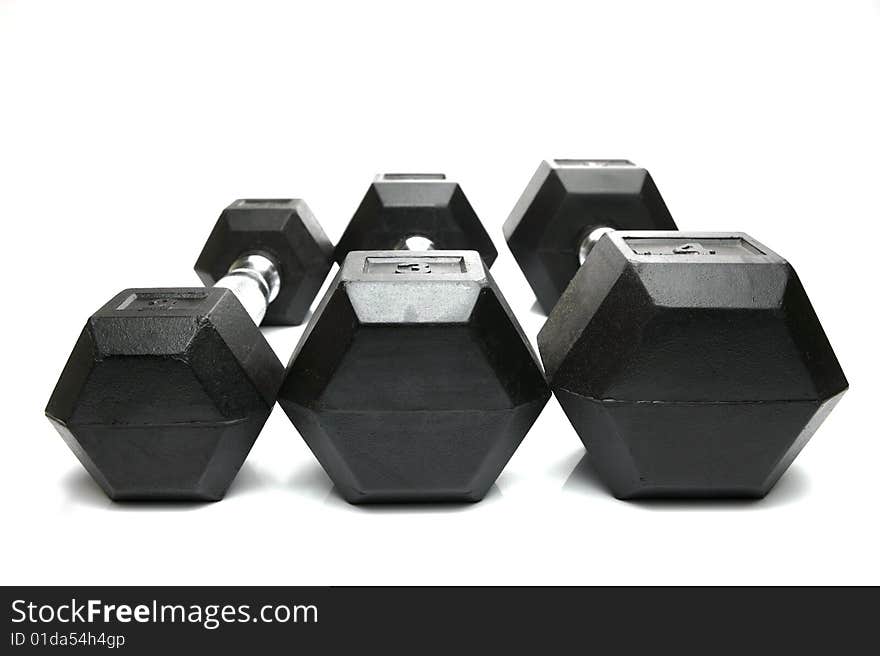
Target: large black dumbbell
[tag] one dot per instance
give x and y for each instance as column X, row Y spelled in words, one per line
column 167, row 389
column 690, row 364
column 413, row 380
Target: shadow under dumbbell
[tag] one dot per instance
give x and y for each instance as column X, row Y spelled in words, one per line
column 335, row 498
column 310, row 480
column 82, row 489
column 249, row 479
column 583, row 479
column 791, row 487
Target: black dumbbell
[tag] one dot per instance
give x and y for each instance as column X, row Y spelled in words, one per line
column 167, row 389
column 413, row 380
column 415, row 211
column 690, row 364
column 567, row 206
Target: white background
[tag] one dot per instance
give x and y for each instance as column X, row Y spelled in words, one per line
column 125, row 129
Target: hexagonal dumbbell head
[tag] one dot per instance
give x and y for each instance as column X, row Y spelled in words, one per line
column 413, row 381
column 286, row 231
column 564, row 203
column 165, row 392
column 690, row 364
column 415, row 211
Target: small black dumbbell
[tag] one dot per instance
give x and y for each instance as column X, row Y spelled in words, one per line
column 415, row 212
column 167, row 389
column 413, row 380
column 690, row 364
column 567, row 206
